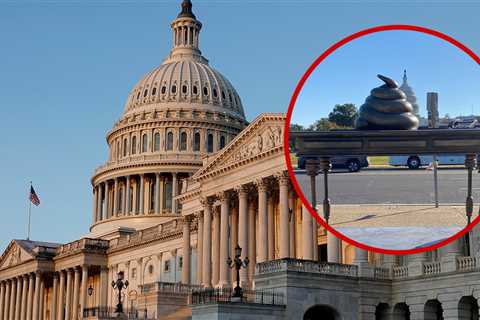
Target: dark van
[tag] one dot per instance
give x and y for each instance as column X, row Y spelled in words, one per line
column 352, row 163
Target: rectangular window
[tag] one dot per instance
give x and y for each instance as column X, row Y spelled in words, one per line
column 166, row 266
column 134, row 273
column 180, row 263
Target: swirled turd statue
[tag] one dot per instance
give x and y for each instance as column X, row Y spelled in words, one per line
column 386, row 108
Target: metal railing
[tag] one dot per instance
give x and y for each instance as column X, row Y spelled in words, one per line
column 109, row 313
column 306, row 266
column 225, row 295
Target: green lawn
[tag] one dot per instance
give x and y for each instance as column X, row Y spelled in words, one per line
column 375, row 161
column 378, row 160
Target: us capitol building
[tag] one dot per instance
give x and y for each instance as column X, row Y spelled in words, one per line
column 186, row 180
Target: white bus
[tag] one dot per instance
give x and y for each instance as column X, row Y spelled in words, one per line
column 417, row 161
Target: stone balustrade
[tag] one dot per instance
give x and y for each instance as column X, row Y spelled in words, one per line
column 84, row 244
column 173, row 228
column 467, row 263
column 141, row 159
column 432, row 268
column 399, row 272
column 382, row 273
column 306, row 266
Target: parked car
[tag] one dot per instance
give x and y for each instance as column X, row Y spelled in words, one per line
column 417, row 161
column 352, row 163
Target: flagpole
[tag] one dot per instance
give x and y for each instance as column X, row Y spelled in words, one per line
column 29, row 211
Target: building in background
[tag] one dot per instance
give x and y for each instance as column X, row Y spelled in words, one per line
column 186, row 180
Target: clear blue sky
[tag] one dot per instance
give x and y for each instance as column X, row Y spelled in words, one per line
column 66, row 69
column 432, row 64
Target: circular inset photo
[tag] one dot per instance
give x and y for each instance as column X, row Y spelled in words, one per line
column 382, row 139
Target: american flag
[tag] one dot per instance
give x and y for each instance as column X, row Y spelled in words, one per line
column 33, row 197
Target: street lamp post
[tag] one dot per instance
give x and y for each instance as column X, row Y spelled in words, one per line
column 237, row 263
column 120, row 285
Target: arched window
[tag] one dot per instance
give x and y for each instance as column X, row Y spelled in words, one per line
column 183, row 141
column 205, row 91
column 196, row 141
column 214, row 92
column 134, row 145
column 118, row 152
column 144, row 143
column 156, row 142
column 125, row 147
column 184, row 89
column 174, row 89
column 169, row 141
column 222, row 142
column 154, row 91
column 164, row 89
column 195, row 90
column 210, row 142
column 145, row 93
column 223, row 94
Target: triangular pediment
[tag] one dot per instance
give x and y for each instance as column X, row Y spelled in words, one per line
column 261, row 137
column 14, row 254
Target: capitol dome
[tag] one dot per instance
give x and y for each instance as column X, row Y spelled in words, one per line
column 174, row 118
column 182, row 83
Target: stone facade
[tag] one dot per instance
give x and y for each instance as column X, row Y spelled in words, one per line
column 186, row 180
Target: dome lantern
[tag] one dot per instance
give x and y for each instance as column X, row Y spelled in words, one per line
column 186, row 30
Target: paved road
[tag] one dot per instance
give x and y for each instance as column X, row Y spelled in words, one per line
column 373, row 186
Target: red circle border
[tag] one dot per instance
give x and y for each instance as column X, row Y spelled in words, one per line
column 291, row 105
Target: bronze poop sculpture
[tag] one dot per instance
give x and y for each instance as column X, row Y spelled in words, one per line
column 386, row 108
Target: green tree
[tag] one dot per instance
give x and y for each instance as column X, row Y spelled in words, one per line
column 343, row 115
column 320, row 125
column 296, row 127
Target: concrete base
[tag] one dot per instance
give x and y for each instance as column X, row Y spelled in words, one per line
column 237, row 311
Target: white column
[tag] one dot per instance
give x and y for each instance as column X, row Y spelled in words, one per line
column 36, row 297
column 284, row 221
column 30, row 296
column 54, row 298
column 23, row 308
column 2, row 299
column 233, row 240
column 291, row 205
column 224, row 217
column 262, row 221
column 207, row 244
column 307, row 234
column 115, row 198
column 157, row 193
column 94, row 210
column 315, row 238
column 200, row 249
column 271, row 228
column 13, row 296
column 128, row 192
column 8, row 288
column 243, row 229
column 252, row 248
column 141, row 208
column 186, row 250
column 333, row 248
column 61, row 293
column 18, row 298
column 83, row 290
column 68, row 295
column 174, row 191
column 103, row 286
column 99, row 202
column 160, row 196
column 216, row 247
column 106, row 206
column 76, row 292
column 41, row 301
